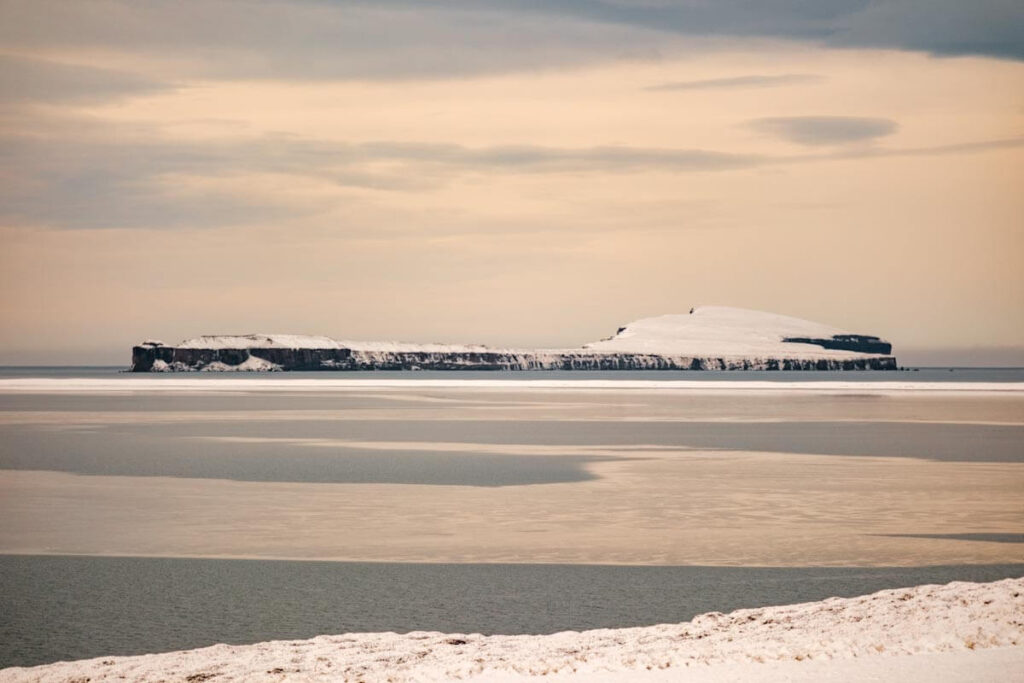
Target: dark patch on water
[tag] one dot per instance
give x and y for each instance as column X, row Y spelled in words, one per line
column 60, row 608
column 205, row 450
column 281, row 400
column 152, row 453
column 987, row 537
column 945, row 442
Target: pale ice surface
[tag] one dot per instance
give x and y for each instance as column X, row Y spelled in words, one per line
column 707, row 331
column 960, row 631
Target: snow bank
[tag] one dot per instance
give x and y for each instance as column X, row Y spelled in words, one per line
column 250, row 364
column 954, row 619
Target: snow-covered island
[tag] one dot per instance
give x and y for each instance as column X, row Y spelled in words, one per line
column 707, row 338
column 957, row 632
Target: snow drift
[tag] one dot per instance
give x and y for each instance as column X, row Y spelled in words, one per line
column 958, row 618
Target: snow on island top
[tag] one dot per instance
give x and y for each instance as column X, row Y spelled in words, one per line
column 706, row 331
column 301, row 341
column 727, row 331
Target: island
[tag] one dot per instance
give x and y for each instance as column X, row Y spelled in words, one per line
column 706, row 338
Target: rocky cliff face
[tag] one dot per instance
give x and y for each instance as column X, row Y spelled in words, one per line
column 171, row 359
column 846, row 342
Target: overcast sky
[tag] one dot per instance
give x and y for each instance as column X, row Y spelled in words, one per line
column 513, row 172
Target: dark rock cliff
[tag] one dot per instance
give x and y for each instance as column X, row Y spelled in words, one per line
column 847, row 342
column 158, row 358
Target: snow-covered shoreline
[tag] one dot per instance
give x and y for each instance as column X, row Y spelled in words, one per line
column 924, row 631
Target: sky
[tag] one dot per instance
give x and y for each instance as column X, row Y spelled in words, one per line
column 512, row 172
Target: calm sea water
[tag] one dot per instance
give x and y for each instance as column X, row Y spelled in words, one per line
column 499, row 476
column 62, row 608
column 910, row 374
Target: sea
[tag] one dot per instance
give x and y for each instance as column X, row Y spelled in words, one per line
column 160, row 516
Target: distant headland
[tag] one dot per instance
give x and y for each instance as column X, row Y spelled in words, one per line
column 706, row 338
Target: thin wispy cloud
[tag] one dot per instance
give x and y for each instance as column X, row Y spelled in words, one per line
column 934, row 150
column 34, row 80
column 739, row 82
column 112, row 183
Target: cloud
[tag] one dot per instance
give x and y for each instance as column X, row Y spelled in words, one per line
column 111, row 182
column 825, row 130
column 750, row 81
column 541, row 158
column 33, row 80
column 930, row 151
column 943, row 27
column 105, row 179
column 314, row 40
column 400, row 39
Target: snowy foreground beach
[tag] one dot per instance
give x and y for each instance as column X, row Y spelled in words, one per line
column 960, row 631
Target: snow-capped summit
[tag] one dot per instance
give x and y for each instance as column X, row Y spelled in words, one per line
column 728, row 331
